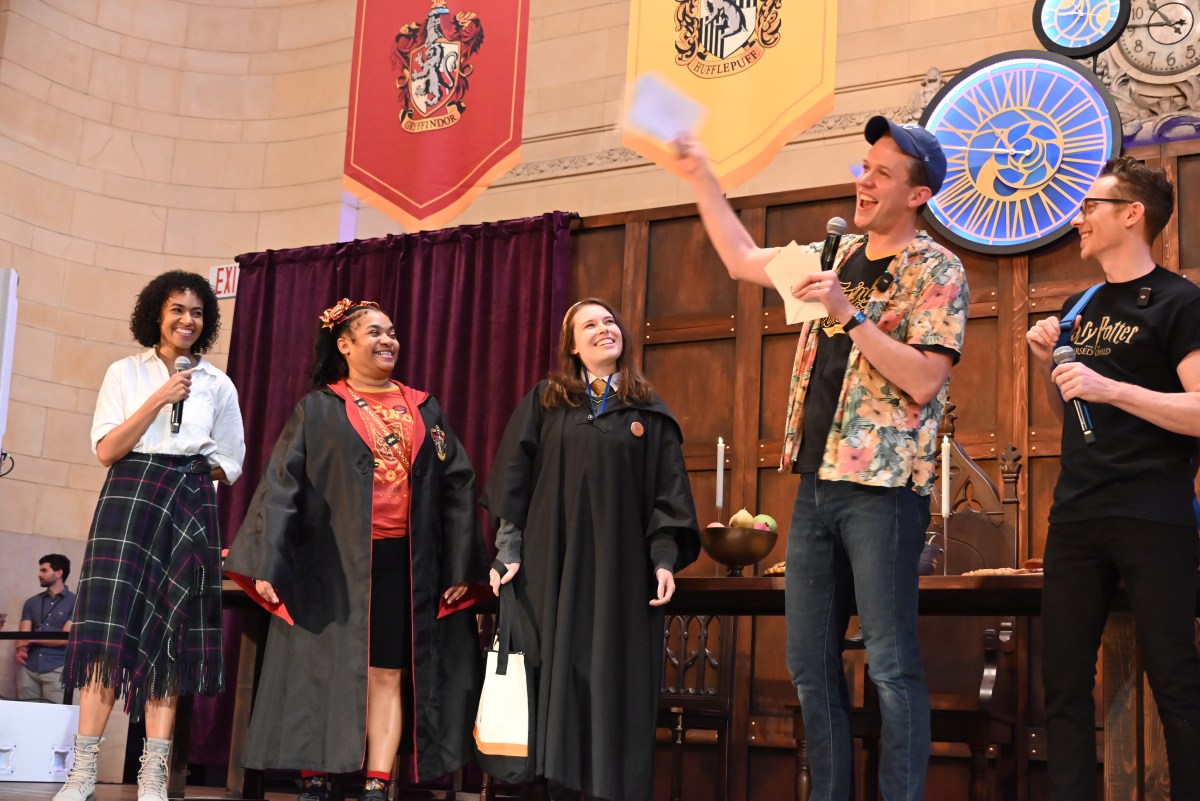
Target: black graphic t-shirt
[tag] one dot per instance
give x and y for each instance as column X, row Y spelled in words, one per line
column 858, row 275
column 1134, row 468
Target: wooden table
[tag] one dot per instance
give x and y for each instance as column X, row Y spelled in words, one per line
column 1127, row 707
column 940, row 595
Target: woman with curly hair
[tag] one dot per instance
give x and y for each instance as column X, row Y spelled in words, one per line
column 595, row 512
column 362, row 539
column 147, row 623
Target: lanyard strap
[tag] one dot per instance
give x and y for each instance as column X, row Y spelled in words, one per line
column 599, row 409
column 394, row 443
column 1068, row 320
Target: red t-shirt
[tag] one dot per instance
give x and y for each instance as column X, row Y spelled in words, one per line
column 391, row 493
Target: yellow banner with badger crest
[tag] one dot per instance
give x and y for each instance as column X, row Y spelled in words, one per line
column 763, row 69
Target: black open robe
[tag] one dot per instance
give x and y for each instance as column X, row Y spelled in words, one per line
column 307, row 531
column 590, row 492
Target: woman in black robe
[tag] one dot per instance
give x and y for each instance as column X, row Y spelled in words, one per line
column 362, row 539
column 595, row 518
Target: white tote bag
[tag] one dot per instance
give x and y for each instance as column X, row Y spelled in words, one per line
column 502, row 722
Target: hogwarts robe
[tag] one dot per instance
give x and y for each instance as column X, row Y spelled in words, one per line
column 308, row 532
column 590, row 493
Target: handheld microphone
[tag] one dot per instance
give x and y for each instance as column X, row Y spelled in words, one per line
column 833, row 237
column 181, row 364
column 1062, row 355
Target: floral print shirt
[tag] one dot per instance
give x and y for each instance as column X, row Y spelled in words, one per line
column 880, row 436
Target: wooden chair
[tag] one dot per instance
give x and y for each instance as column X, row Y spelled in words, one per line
column 697, row 688
column 973, row 691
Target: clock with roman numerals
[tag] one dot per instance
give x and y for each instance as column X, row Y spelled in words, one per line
column 1025, row 134
column 1079, row 28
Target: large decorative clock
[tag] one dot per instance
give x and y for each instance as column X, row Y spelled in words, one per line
column 1162, row 41
column 1025, row 135
column 1079, row 28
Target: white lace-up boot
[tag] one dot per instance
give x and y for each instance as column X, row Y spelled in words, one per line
column 81, row 781
column 152, row 775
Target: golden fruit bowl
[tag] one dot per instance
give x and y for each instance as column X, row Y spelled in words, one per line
column 737, row 547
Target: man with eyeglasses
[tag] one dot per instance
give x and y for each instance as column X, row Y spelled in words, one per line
column 868, row 389
column 1122, row 506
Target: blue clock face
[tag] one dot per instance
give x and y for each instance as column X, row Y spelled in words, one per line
column 1025, row 134
column 1079, row 28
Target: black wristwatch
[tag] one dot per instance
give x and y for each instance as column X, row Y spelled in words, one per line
column 858, row 319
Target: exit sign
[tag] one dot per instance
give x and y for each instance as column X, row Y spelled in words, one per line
column 224, row 279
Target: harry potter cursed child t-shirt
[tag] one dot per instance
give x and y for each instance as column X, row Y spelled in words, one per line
column 1134, row 468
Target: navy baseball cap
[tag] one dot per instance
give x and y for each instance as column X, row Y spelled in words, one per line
column 916, row 142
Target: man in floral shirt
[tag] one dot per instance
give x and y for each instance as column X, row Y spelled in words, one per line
column 868, row 390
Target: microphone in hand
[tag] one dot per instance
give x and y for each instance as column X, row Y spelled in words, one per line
column 833, row 237
column 1062, row 355
column 181, row 364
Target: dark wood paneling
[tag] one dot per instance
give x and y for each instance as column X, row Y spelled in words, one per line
column 1187, row 215
column 1042, row 475
column 685, row 276
column 597, row 256
column 778, row 356
column 974, row 379
column 692, row 377
column 772, row 689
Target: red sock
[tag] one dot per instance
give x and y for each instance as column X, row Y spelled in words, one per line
column 383, row 775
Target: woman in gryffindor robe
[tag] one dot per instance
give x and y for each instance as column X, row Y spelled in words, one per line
column 362, row 539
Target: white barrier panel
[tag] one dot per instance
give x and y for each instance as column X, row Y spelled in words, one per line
column 35, row 741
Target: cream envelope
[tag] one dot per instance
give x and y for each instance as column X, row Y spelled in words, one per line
column 791, row 264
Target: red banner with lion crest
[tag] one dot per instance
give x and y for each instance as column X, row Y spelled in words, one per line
column 437, row 90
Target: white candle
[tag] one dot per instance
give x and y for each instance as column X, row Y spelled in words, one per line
column 945, row 477
column 720, row 472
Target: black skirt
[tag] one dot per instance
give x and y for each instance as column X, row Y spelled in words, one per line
column 391, row 604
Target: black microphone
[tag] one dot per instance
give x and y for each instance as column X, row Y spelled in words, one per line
column 181, row 364
column 1062, row 355
column 833, row 237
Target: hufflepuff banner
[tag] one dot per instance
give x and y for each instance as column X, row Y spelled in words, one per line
column 437, row 91
column 763, row 70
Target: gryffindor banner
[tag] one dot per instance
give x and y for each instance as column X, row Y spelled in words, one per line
column 763, row 69
column 437, row 92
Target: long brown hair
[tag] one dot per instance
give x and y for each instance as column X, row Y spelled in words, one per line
column 564, row 385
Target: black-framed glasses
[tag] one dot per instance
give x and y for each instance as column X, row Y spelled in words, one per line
column 1089, row 203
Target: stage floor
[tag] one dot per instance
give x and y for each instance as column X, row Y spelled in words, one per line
column 28, row 791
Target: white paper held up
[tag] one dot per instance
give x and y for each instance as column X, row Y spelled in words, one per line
column 660, row 111
column 791, row 264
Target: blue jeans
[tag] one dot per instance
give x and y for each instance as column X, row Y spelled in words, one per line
column 848, row 541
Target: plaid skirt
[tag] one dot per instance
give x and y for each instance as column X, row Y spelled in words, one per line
column 148, row 613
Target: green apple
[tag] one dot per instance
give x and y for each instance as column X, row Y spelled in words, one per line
column 770, row 521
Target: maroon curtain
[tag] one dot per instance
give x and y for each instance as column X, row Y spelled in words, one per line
column 477, row 311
